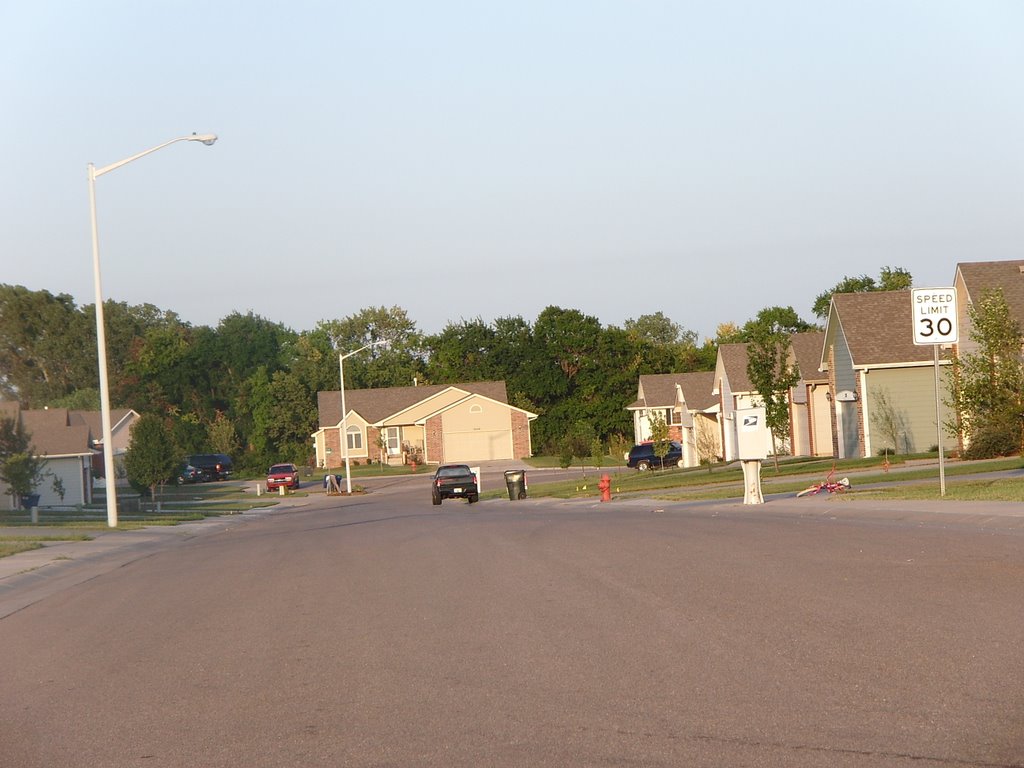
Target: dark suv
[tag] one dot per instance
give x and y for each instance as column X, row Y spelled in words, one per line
column 642, row 456
column 213, row 466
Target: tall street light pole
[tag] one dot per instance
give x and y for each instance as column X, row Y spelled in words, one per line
column 344, row 413
column 101, row 335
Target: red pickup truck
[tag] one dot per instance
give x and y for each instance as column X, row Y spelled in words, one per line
column 454, row 481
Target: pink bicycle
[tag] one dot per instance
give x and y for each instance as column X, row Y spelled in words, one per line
column 831, row 485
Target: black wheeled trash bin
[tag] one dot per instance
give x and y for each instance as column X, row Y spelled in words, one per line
column 515, row 481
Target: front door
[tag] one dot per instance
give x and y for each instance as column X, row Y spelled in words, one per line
column 394, row 441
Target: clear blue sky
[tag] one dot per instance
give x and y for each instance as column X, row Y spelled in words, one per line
column 477, row 159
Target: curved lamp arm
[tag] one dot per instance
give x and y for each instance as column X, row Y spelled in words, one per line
column 205, row 138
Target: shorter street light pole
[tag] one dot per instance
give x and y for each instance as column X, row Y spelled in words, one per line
column 101, row 336
column 344, row 413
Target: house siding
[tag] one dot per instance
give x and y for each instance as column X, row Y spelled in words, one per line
column 427, row 407
column 477, row 430
column 911, row 393
column 846, row 440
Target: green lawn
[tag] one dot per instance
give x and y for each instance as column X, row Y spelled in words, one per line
column 905, row 480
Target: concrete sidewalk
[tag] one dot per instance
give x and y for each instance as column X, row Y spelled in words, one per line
column 30, row 576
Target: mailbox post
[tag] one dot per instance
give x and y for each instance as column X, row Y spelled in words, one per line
column 752, row 444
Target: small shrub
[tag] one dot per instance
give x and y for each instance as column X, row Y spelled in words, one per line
column 991, row 441
column 565, row 458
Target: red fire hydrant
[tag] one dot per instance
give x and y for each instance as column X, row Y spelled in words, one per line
column 605, row 486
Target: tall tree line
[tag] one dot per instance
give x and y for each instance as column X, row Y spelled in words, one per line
column 252, row 382
column 249, row 384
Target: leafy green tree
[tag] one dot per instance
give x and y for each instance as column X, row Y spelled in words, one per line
column 987, row 391
column 188, row 433
column 463, row 351
column 127, row 328
column 151, row 458
column 23, row 472
column 46, row 351
column 80, row 400
column 659, row 438
column 222, row 436
column 659, row 329
column 575, row 443
column 20, row 468
column 729, row 333
column 514, row 345
column 768, row 366
column 284, row 416
column 399, row 363
column 889, row 279
column 13, row 437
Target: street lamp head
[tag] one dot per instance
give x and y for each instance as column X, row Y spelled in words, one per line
column 206, row 138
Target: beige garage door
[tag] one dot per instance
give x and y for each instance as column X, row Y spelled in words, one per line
column 477, row 446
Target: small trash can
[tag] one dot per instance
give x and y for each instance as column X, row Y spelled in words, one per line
column 515, row 481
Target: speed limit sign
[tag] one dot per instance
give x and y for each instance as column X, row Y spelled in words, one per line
column 935, row 319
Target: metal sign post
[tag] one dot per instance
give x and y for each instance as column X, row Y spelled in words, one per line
column 935, row 323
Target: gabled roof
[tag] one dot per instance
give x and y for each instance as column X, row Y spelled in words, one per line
column 732, row 362
column 376, row 405
column 807, row 350
column 658, row 390
column 54, row 432
column 982, row 276
column 94, row 420
column 472, row 396
column 878, row 328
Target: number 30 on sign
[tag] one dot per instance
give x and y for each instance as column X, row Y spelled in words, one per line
column 935, row 318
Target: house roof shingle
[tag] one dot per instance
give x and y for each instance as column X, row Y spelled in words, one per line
column 807, row 348
column 54, row 432
column 659, row 390
column 734, row 359
column 982, row 276
column 94, row 420
column 375, row 405
column 878, row 327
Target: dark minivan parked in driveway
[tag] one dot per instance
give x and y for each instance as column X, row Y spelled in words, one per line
column 642, row 456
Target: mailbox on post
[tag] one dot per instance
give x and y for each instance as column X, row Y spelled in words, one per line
column 752, row 438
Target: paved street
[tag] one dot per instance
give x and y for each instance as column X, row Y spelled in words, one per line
column 381, row 631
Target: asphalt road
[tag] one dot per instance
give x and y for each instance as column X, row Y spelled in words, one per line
column 381, row 631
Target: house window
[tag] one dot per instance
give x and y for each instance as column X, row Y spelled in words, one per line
column 355, row 438
column 477, row 408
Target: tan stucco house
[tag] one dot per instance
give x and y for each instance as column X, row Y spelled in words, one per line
column 431, row 424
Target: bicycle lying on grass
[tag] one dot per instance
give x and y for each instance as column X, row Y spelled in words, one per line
column 831, row 485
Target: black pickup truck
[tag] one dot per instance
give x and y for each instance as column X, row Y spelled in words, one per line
column 454, row 481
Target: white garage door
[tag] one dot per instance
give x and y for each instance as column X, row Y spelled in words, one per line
column 477, row 446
